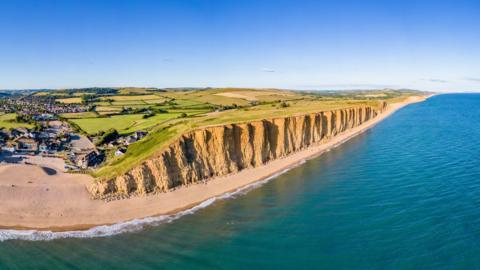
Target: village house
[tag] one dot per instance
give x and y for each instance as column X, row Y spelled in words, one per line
column 26, row 145
column 139, row 134
column 136, row 136
column 20, row 132
column 43, row 148
column 129, row 140
column 120, row 152
column 89, row 159
column 44, row 117
column 9, row 146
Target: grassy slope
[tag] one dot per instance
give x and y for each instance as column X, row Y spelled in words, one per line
column 123, row 123
column 165, row 133
column 163, row 128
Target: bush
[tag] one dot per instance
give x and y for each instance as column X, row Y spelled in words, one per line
column 86, row 99
column 145, row 116
column 108, row 136
column 284, row 104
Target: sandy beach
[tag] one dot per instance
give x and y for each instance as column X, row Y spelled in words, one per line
column 34, row 198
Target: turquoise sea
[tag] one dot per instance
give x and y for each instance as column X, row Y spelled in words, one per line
column 403, row 195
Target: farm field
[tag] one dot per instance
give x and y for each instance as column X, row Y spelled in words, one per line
column 7, row 122
column 131, row 98
column 124, row 124
column 271, row 105
column 167, row 113
column 70, row 100
column 79, row 115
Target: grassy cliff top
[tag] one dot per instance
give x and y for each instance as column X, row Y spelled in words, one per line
column 207, row 107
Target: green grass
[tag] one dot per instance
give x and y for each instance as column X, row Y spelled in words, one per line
column 198, row 104
column 79, row 115
column 7, row 121
column 297, row 107
column 132, row 98
column 145, row 124
column 127, row 103
column 124, row 123
column 94, row 125
column 166, row 131
column 140, row 151
column 155, row 101
column 101, row 103
column 108, row 109
column 134, row 90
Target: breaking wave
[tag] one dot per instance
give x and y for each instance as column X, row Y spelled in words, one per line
column 132, row 225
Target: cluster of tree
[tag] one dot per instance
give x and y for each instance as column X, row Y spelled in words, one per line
column 107, row 136
column 156, row 90
column 37, row 127
column 148, row 115
column 89, row 99
column 158, row 110
column 226, row 107
column 151, row 111
column 92, row 90
column 76, row 128
column 130, row 110
column 24, row 118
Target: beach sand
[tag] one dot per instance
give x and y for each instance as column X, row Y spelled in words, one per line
column 31, row 198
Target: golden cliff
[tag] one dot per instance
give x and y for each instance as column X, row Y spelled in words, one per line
column 220, row 150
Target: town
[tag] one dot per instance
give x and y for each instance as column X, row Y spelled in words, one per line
column 33, row 132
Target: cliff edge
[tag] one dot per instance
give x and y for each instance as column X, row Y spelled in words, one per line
column 204, row 153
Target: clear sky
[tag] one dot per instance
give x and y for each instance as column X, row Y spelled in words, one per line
column 337, row 44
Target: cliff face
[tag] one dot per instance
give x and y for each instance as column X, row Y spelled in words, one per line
column 220, row 150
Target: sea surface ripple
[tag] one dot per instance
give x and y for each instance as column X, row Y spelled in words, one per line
column 403, row 195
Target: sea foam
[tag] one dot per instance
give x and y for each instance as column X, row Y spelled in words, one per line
column 132, row 225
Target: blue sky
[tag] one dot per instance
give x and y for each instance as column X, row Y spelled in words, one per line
column 430, row 45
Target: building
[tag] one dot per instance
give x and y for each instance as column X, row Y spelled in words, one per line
column 43, row 148
column 120, row 152
column 20, row 132
column 139, row 134
column 10, row 147
column 89, row 159
column 26, row 145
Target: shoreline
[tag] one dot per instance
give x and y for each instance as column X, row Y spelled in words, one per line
column 55, row 205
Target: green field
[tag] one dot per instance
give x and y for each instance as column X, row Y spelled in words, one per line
column 124, row 124
column 163, row 133
column 133, row 97
column 79, row 115
column 7, row 121
column 124, row 109
column 110, row 109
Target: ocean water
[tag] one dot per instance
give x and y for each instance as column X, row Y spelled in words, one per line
column 403, row 195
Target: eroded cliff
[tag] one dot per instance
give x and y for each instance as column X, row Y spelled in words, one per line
column 220, row 150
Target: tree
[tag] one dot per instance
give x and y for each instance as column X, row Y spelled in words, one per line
column 108, row 136
column 37, row 127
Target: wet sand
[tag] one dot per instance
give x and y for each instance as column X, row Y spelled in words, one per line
column 32, row 198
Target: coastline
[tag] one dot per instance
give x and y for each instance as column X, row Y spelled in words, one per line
column 73, row 210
